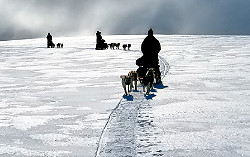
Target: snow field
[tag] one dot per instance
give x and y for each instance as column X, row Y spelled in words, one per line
column 69, row 102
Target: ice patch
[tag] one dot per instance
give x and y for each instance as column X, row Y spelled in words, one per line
column 96, row 116
column 28, row 122
column 64, row 140
column 116, row 101
column 17, row 151
column 84, row 108
column 4, row 103
column 18, row 109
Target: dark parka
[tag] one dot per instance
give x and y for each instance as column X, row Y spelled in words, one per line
column 150, row 48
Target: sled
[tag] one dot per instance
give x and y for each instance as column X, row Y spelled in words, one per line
column 147, row 77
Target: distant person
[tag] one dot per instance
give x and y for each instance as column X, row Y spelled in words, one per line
column 49, row 41
column 100, row 43
column 150, row 48
column 98, row 37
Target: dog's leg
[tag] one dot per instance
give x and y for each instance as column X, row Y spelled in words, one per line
column 126, row 93
column 124, row 86
column 135, row 85
column 151, row 86
column 131, row 85
column 148, row 88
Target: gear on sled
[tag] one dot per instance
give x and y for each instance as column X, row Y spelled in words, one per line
column 145, row 63
column 100, row 42
column 142, row 71
column 149, row 69
column 147, row 77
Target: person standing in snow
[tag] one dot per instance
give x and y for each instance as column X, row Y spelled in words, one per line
column 98, row 37
column 150, row 48
column 49, row 41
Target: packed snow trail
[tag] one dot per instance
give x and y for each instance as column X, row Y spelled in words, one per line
column 129, row 130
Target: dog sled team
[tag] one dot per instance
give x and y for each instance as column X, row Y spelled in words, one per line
column 113, row 46
column 129, row 82
column 50, row 43
column 148, row 72
column 100, row 43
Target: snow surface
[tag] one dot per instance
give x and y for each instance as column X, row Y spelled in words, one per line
column 70, row 102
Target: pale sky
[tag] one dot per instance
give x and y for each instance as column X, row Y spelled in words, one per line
column 21, row 19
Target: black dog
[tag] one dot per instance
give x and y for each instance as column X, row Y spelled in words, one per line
column 148, row 80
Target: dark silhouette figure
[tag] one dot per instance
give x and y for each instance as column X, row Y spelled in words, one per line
column 124, row 46
column 100, row 43
column 129, row 45
column 49, row 41
column 150, row 48
column 59, row 45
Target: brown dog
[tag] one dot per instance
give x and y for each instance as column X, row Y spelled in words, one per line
column 126, row 82
column 129, row 81
column 133, row 75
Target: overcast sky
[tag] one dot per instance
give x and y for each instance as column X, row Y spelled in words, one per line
column 35, row 18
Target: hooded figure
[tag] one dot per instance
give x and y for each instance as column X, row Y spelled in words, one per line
column 150, row 48
column 49, row 41
column 100, row 43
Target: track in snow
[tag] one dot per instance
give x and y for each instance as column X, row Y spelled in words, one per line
column 129, row 130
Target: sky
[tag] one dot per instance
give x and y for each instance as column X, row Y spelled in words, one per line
column 21, row 19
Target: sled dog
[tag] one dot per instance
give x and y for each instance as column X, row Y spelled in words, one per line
column 124, row 46
column 126, row 83
column 117, row 45
column 129, row 45
column 59, row 45
column 113, row 45
column 133, row 75
column 148, row 80
column 129, row 81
